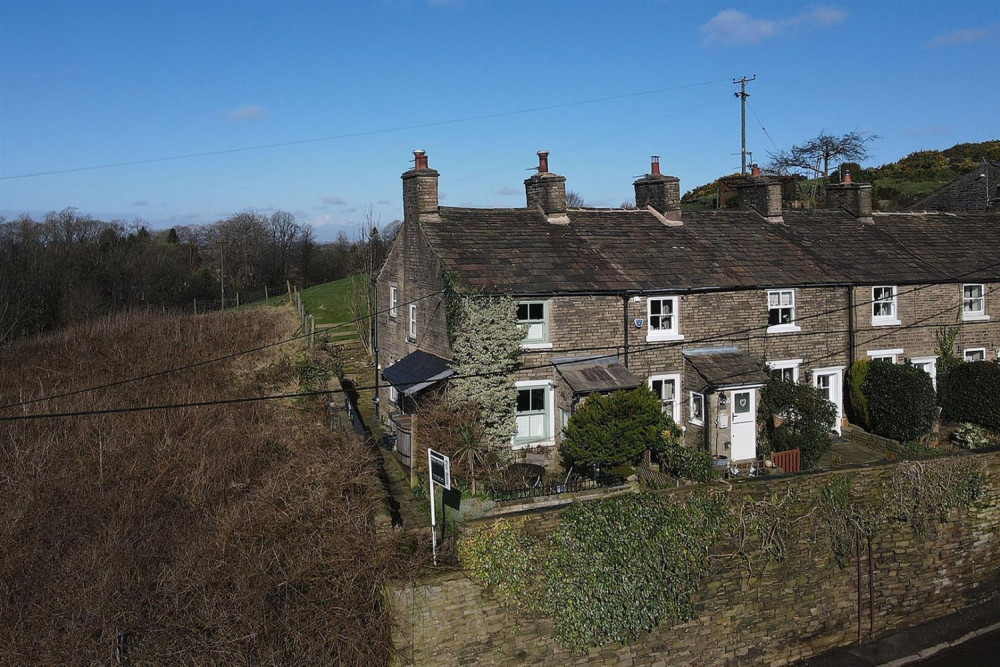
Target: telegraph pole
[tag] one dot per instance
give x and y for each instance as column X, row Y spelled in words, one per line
column 743, row 118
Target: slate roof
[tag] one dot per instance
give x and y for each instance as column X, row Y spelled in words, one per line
column 725, row 367
column 598, row 375
column 417, row 370
column 517, row 251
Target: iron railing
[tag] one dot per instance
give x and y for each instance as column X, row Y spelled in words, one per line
column 555, row 488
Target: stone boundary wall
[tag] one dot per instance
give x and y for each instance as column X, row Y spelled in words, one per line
column 798, row 608
column 876, row 442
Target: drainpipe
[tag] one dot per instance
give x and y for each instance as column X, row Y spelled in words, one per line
column 625, row 324
column 850, row 326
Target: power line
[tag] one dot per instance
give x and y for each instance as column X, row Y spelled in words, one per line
column 352, row 135
column 768, row 134
column 204, row 362
column 253, row 399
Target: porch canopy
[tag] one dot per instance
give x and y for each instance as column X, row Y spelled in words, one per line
column 595, row 374
column 720, row 368
column 416, row 371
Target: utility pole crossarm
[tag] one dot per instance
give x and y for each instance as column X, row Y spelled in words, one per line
column 742, row 82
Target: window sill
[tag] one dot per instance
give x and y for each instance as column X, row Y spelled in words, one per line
column 654, row 337
column 411, row 339
column 524, row 444
column 975, row 318
column 886, row 323
column 695, row 422
column 536, row 346
column 784, row 328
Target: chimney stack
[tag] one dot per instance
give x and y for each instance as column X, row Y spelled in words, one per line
column 659, row 192
column 761, row 194
column 547, row 191
column 855, row 198
column 420, row 188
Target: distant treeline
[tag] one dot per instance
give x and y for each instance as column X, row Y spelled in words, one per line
column 68, row 267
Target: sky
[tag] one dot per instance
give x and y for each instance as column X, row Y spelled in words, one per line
column 206, row 109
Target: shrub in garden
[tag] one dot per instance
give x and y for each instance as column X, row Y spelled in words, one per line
column 796, row 415
column 614, row 429
column 970, row 436
column 681, row 461
column 971, row 393
column 901, row 400
column 856, row 404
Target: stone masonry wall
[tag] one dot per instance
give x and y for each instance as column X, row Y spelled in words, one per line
column 796, row 609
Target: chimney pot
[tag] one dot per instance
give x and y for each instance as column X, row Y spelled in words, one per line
column 847, row 177
column 754, row 170
column 543, row 162
column 654, row 167
column 419, row 159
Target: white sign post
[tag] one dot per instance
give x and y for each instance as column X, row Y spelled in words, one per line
column 439, row 467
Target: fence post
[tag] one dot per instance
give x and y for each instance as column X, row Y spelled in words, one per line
column 237, row 299
column 312, row 332
column 288, row 284
column 196, row 306
column 266, row 297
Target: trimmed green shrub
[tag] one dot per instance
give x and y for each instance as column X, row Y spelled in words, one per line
column 614, row 429
column 857, row 405
column 902, row 404
column 796, row 415
column 970, row 392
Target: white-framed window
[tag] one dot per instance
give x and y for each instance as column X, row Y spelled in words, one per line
column 393, row 301
column 974, row 354
column 696, row 408
column 412, row 331
column 885, row 355
column 974, row 303
column 662, row 318
column 884, row 306
column 393, row 395
column 533, row 413
column 668, row 389
column 927, row 365
column 781, row 311
column 533, row 316
column 785, row 369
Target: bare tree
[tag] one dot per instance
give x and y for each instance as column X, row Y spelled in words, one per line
column 574, row 199
column 815, row 155
column 370, row 253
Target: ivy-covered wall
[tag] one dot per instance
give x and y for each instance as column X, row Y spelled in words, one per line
column 793, row 609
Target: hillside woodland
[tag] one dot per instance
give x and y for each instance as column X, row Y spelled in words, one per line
column 68, row 267
column 223, row 534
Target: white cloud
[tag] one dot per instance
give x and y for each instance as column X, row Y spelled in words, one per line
column 383, row 202
column 246, row 112
column 140, row 202
column 731, row 27
column 336, row 201
column 961, row 37
column 506, row 192
column 929, row 130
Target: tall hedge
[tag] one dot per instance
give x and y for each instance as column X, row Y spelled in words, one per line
column 856, row 404
column 970, row 392
column 796, row 415
column 614, row 429
column 902, row 404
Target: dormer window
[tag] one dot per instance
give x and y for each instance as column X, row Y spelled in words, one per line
column 884, row 311
column 533, row 318
column 663, row 319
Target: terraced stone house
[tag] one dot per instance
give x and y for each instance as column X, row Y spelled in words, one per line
column 692, row 305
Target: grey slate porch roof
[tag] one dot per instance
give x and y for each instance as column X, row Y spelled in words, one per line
column 724, row 367
column 596, row 375
column 516, row 251
column 416, row 371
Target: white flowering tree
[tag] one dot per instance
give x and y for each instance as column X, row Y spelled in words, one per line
column 486, row 342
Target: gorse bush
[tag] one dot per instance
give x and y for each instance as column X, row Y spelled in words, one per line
column 796, row 416
column 614, row 429
column 856, row 404
column 901, row 400
column 970, row 392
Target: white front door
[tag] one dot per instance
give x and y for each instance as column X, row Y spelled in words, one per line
column 743, row 431
column 827, row 381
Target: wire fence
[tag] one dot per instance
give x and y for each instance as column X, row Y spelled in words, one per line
column 238, row 299
column 555, row 488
